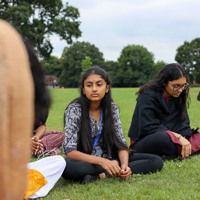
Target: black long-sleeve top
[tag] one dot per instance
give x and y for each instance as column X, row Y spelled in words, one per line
column 153, row 114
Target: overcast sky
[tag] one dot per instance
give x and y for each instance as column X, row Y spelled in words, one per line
column 159, row 25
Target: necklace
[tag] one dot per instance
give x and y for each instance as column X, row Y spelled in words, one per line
column 93, row 123
column 100, row 125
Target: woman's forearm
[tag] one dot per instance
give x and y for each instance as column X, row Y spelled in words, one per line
column 40, row 131
column 79, row 156
column 123, row 157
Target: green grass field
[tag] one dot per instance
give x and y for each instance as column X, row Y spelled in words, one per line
column 178, row 180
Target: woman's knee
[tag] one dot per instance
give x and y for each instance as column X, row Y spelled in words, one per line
column 157, row 162
column 157, row 143
column 166, row 144
column 73, row 170
column 162, row 138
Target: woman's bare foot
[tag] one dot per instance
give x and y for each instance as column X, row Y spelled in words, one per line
column 102, row 175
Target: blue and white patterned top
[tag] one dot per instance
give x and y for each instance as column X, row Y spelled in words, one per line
column 72, row 121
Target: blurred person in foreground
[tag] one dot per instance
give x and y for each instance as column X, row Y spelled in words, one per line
column 23, row 96
column 17, row 113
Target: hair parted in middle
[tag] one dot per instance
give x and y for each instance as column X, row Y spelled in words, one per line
column 110, row 141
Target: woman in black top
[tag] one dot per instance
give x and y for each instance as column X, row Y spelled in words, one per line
column 160, row 123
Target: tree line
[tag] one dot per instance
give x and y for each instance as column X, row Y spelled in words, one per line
column 134, row 67
column 37, row 20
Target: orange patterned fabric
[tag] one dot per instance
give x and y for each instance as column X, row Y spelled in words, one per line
column 35, row 181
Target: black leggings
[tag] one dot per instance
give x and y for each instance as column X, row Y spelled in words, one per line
column 158, row 143
column 138, row 162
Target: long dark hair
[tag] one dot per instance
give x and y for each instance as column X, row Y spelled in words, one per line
column 42, row 97
column 110, row 141
column 168, row 73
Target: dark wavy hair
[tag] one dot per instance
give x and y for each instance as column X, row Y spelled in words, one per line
column 168, row 73
column 110, row 141
column 42, row 97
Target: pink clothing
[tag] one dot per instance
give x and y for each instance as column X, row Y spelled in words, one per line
column 194, row 141
column 53, row 140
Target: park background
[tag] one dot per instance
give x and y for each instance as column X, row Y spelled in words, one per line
column 136, row 63
column 145, row 30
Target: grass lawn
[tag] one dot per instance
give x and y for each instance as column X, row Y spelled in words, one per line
column 178, row 180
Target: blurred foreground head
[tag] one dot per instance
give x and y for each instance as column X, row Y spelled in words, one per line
column 20, row 90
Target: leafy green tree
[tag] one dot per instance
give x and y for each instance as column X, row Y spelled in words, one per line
column 52, row 66
column 36, row 20
column 72, row 60
column 188, row 55
column 157, row 67
column 183, row 56
column 112, row 69
column 86, row 64
column 136, row 65
column 64, row 53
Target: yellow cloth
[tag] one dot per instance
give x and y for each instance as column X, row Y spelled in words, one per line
column 35, row 181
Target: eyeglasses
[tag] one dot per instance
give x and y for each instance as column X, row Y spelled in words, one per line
column 178, row 87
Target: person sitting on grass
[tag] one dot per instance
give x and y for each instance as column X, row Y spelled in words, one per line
column 160, row 123
column 44, row 173
column 94, row 143
column 43, row 143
